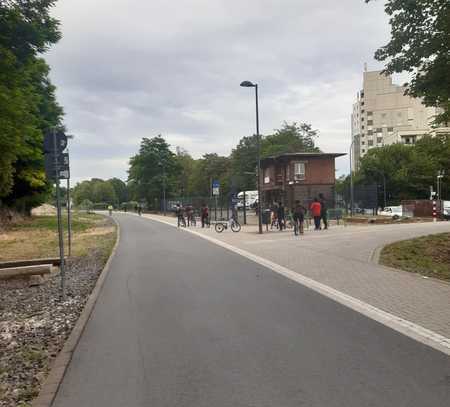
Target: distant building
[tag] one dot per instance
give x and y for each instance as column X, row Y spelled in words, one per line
column 302, row 176
column 383, row 115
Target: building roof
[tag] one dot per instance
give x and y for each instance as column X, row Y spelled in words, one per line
column 301, row 155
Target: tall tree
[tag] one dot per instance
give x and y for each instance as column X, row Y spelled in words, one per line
column 420, row 44
column 152, row 168
column 291, row 138
column 120, row 189
column 27, row 103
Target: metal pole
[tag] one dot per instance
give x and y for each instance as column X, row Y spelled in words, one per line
column 258, row 137
column 245, row 209
column 164, row 190
column 384, row 187
column 69, row 219
column 351, row 178
column 60, row 231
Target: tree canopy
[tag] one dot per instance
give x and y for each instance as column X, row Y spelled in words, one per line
column 420, row 44
column 408, row 171
column 28, row 105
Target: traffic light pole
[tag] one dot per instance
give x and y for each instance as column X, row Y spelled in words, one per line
column 60, row 230
column 69, row 220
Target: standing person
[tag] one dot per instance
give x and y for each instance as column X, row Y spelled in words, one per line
column 323, row 211
column 180, row 215
column 110, row 209
column 316, row 210
column 189, row 214
column 273, row 216
column 298, row 214
column 204, row 212
column 139, row 209
column 281, row 216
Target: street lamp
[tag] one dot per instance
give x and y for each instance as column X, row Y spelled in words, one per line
column 161, row 164
column 351, row 177
column 248, row 84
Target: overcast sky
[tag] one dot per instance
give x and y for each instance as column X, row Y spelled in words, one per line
column 127, row 69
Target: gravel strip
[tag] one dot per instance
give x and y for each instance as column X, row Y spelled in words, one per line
column 34, row 324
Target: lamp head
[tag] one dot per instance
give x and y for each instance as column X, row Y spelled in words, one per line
column 247, row 84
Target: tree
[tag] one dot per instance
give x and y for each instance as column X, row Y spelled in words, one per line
column 244, row 162
column 408, row 171
column 152, row 168
column 27, row 103
column 291, row 138
column 120, row 189
column 420, row 44
column 209, row 168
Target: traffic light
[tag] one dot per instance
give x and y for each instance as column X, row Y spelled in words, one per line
column 56, row 162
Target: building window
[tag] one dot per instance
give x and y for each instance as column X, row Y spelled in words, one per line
column 369, row 113
column 370, row 122
column 362, row 119
column 390, row 129
column 379, row 130
column 363, row 150
column 369, row 132
column 370, row 143
column 299, row 171
column 363, row 142
column 379, row 140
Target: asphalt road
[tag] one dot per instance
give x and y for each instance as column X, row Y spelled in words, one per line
column 182, row 322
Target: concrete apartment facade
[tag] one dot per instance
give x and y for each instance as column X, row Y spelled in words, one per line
column 383, row 115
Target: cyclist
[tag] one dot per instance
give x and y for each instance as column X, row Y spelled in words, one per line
column 298, row 214
column 110, row 209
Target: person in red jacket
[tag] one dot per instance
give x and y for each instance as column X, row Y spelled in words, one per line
column 316, row 209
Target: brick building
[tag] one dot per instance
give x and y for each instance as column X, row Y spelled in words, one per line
column 302, row 176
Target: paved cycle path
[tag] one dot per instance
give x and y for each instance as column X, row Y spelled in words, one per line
column 183, row 322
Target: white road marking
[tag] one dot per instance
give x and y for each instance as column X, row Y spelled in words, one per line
column 408, row 328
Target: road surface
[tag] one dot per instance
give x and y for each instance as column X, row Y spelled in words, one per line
column 183, row 322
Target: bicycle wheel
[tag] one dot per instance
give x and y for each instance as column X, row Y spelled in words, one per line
column 219, row 227
column 235, row 226
column 296, row 228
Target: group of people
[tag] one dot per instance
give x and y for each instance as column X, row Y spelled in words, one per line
column 317, row 208
column 186, row 215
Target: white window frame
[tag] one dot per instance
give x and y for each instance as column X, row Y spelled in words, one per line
column 299, row 171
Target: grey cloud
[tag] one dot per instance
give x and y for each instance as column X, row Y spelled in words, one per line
column 130, row 69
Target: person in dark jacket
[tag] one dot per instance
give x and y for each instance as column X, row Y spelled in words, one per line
column 299, row 217
column 280, row 216
column 323, row 211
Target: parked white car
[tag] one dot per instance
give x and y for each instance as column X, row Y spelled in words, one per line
column 394, row 212
column 446, row 209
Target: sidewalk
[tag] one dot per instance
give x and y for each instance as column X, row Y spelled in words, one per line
column 341, row 258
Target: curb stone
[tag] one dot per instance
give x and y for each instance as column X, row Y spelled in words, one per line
column 59, row 366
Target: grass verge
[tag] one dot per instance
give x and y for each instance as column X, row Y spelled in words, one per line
column 37, row 237
column 427, row 255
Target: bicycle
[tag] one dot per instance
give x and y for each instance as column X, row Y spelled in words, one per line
column 220, row 226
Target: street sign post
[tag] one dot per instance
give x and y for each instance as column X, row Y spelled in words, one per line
column 56, row 164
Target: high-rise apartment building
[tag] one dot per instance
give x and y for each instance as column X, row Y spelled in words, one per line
column 383, row 115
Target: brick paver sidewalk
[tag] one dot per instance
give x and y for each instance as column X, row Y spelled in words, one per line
column 341, row 258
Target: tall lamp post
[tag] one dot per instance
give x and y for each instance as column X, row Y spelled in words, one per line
column 351, row 177
column 161, row 164
column 248, row 84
